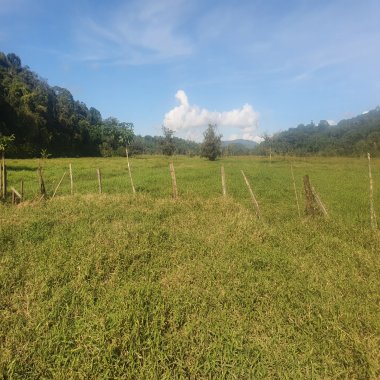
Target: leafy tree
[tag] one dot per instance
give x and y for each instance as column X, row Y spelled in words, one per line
column 167, row 143
column 115, row 137
column 212, row 144
column 5, row 141
column 45, row 117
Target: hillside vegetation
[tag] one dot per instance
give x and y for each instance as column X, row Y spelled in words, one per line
column 45, row 117
column 147, row 287
column 355, row 136
column 48, row 118
column 42, row 117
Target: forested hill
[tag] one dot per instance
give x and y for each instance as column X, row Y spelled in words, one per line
column 355, row 136
column 48, row 118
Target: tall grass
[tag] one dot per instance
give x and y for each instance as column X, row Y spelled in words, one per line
column 124, row 286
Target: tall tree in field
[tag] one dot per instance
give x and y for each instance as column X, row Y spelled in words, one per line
column 168, row 146
column 212, row 144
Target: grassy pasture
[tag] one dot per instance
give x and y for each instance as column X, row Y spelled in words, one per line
column 123, row 286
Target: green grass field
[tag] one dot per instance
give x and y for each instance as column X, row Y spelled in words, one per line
column 147, row 287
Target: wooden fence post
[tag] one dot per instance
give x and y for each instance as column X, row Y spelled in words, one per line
column 1, row 179
column 129, row 171
column 22, row 190
column 174, row 181
column 99, row 180
column 310, row 208
column 319, row 202
column 5, row 181
column 41, row 182
column 314, row 203
column 295, row 191
column 59, row 184
column 255, row 203
column 223, row 181
column 15, row 196
column 371, row 205
column 71, row 180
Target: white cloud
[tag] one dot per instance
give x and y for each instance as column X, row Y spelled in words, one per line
column 190, row 120
column 332, row 122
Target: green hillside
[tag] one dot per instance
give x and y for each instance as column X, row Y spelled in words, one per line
column 355, row 136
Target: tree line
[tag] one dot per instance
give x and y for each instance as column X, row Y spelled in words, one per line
column 36, row 118
column 45, row 118
column 351, row 137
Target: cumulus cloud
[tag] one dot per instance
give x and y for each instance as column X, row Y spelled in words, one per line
column 189, row 120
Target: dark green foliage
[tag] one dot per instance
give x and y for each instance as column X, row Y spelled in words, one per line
column 355, row 136
column 167, row 143
column 5, row 142
column 212, row 144
column 154, row 145
column 44, row 117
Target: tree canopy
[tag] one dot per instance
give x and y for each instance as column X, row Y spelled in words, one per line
column 355, row 136
column 212, row 144
column 41, row 117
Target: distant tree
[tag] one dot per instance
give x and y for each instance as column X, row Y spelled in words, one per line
column 5, row 141
column 167, row 144
column 212, row 144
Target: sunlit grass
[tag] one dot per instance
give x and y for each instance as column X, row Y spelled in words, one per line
column 123, row 286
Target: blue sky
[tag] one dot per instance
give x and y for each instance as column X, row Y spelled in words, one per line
column 252, row 67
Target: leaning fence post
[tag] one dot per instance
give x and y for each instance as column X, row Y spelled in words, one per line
column 311, row 208
column 255, row 203
column 174, row 181
column 15, row 195
column 223, row 181
column 129, row 171
column 22, row 190
column 319, row 202
column 371, row 205
column 59, row 184
column 99, row 180
column 314, row 203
